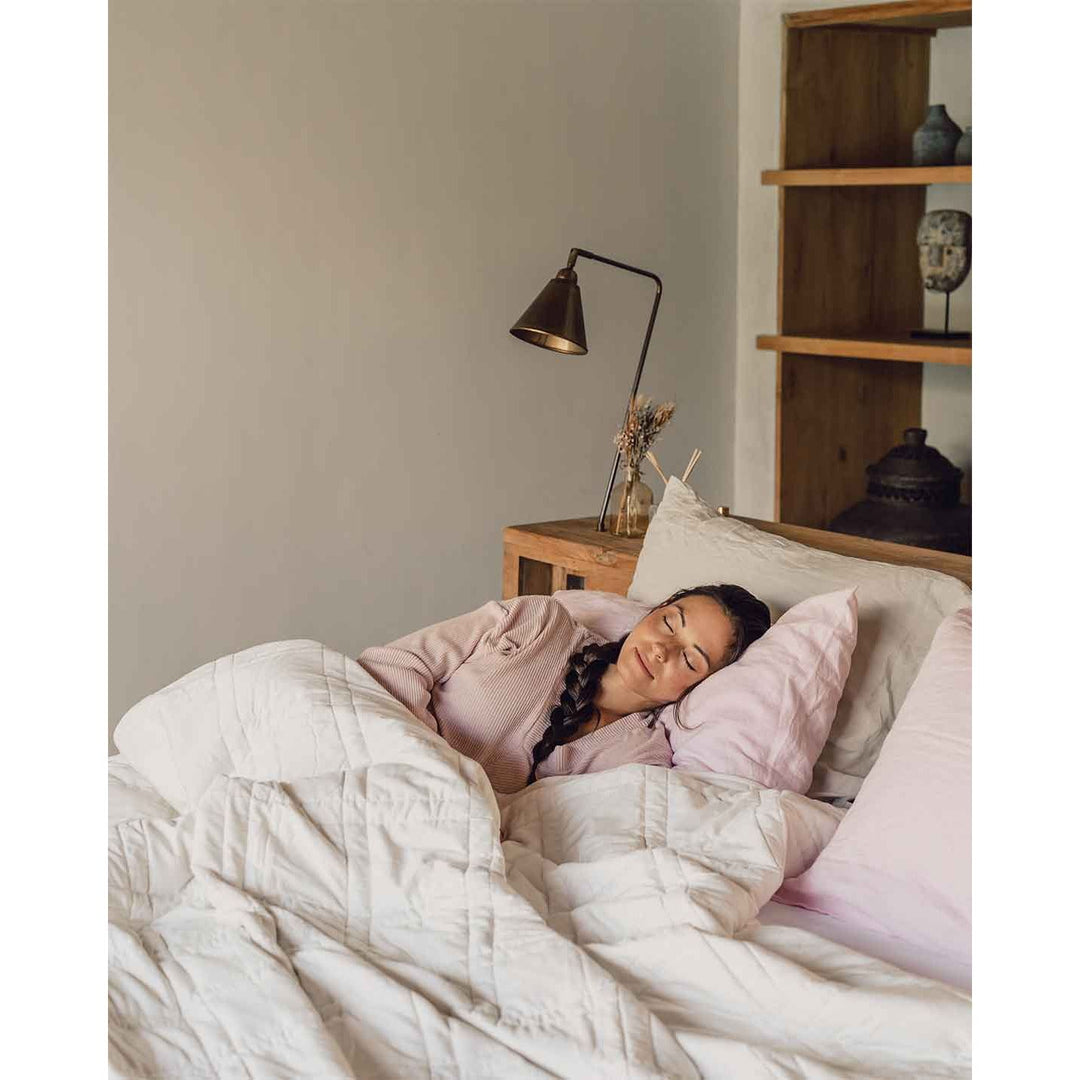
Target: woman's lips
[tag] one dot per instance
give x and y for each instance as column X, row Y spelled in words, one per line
column 643, row 664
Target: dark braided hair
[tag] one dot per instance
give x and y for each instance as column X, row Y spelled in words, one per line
column 575, row 706
column 749, row 617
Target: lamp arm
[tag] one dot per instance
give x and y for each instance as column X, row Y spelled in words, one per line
column 574, row 253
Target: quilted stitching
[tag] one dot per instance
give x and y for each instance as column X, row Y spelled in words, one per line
column 368, row 922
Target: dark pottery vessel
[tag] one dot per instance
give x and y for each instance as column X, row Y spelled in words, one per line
column 934, row 143
column 913, row 497
column 963, row 148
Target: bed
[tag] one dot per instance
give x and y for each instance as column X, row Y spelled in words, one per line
column 304, row 881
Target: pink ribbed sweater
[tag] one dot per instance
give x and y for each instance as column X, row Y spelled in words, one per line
column 487, row 682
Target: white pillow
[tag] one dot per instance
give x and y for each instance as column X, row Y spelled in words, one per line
column 900, row 607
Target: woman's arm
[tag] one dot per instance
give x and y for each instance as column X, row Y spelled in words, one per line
column 411, row 666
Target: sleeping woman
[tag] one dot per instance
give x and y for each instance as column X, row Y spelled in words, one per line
column 521, row 688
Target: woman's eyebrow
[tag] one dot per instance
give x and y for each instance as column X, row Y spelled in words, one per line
column 682, row 614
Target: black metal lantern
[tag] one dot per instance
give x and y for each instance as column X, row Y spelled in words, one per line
column 912, row 497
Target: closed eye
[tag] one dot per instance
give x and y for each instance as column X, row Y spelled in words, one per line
column 684, row 656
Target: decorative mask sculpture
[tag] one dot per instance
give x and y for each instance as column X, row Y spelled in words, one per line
column 944, row 239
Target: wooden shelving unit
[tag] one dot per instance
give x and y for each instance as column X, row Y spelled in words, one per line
column 927, row 16
column 906, row 175
column 863, row 347
column 848, row 372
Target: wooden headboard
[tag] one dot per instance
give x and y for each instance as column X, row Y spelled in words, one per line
column 858, row 547
column 552, row 555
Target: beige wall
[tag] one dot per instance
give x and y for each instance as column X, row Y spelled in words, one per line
column 324, row 217
column 946, row 392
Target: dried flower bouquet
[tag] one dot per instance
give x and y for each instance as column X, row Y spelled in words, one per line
column 644, row 422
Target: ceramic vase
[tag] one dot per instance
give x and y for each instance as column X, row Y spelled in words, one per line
column 934, row 143
column 963, row 148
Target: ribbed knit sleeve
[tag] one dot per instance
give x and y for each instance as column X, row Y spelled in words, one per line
column 411, row 666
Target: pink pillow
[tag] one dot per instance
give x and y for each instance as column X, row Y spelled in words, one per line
column 900, row 862
column 767, row 716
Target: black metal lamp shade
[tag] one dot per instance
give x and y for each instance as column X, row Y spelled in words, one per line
column 554, row 320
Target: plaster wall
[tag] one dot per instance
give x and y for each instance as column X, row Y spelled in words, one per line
column 324, row 217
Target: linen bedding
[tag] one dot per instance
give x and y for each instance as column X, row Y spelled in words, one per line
column 387, row 917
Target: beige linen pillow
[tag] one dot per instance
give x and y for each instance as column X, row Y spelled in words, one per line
column 900, row 608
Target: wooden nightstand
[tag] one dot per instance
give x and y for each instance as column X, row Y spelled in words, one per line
column 541, row 559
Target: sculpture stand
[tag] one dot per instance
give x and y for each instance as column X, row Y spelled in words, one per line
column 946, row 334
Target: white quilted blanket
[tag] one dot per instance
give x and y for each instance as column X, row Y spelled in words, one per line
column 370, row 921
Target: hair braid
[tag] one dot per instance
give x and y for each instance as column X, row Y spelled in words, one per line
column 575, row 706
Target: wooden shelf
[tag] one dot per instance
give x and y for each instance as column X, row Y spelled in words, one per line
column 909, row 176
column 877, row 347
column 927, row 15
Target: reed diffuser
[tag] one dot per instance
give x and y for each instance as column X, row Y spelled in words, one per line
column 632, row 499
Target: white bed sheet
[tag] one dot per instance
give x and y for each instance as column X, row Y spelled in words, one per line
column 892, row 950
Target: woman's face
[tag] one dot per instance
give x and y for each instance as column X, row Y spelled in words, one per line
column 675, row 647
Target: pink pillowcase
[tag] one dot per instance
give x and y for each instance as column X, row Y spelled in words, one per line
column 900, row 862
column 767, row 716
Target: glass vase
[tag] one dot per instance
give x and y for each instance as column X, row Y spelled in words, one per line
column 631, row 503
